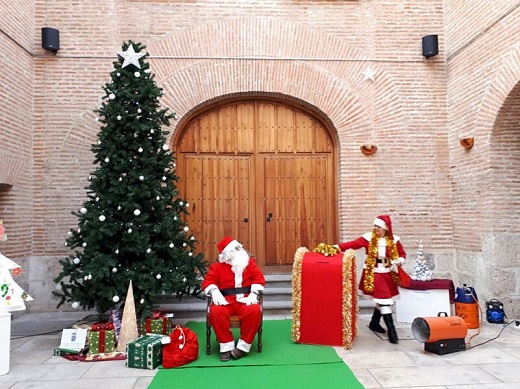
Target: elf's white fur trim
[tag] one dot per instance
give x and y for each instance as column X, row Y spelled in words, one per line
column 380, row 223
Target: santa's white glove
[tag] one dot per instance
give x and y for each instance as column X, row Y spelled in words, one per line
column 217, row 298
column 251, row 299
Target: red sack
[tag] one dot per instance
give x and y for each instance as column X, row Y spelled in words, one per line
column 401, row 278
column 182, row 349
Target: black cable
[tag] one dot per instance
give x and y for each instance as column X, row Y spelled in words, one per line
column 489, row 340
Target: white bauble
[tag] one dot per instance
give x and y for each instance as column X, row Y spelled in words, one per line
column 76, row 260
column 140, row 149
column 137, row 212
column 148, row 251
column 111, row 96
column 141, row 178
column 141, row 301
column 75, row 305
column 102, row 218
column 172, row 245
column 114, row 270
column 186, row 229
column 115, row 299
column 129, row 230
column 58, row 287
column 107, row 160
column 158, row 276
column 83, row 210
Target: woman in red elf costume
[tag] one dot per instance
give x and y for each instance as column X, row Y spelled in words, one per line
column 381, row 272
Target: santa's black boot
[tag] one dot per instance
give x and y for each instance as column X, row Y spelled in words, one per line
column 392, row 334
column 374, row 323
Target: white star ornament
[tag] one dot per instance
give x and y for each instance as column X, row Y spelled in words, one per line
column 130, row 57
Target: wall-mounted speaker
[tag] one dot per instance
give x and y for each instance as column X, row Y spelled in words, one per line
column 50, row 39
column 430, row 45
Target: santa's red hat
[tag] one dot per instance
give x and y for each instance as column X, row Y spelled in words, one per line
column 384, row 221
column 226, row 244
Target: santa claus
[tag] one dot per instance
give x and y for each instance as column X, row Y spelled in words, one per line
column 233, row 282
column 385, row 256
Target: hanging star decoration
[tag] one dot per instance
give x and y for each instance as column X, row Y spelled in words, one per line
column 369, row 74
column 130, row 57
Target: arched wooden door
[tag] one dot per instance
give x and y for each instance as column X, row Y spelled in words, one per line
column 262, row 172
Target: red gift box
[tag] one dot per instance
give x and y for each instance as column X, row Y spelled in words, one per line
column 324, row 298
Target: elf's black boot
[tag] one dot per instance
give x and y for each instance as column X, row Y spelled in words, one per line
column 374, row 323
column 392, row 334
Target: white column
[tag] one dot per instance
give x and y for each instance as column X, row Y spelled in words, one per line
column 5, row 341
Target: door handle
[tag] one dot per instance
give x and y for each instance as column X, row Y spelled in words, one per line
column 269, row 216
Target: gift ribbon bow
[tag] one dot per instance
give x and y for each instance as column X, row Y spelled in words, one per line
column 102, row 326
column 158, row 314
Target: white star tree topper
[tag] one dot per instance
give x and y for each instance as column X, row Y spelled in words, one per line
column 130, row 57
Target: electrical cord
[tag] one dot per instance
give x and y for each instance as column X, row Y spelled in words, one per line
column 517, row 322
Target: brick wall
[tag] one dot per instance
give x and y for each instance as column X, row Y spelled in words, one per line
column 317, row 52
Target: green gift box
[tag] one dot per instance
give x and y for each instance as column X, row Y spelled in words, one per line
column 102, row 341
column 157, row 325
column 145, row 352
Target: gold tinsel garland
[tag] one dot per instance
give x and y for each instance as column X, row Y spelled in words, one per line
column 326, row 249
column 370, row 262
column 349, row 299
column 297, row 292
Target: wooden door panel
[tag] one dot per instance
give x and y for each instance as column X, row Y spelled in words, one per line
column 218, row 190
column 295, row 195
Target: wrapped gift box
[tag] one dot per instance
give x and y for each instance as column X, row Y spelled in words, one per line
column 145, row 352
column 159, row 324
column 102, row 338
column 324, row 298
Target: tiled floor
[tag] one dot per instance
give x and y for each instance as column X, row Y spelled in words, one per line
column 376, row 362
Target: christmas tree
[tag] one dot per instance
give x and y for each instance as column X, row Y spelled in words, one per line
column 131, row 227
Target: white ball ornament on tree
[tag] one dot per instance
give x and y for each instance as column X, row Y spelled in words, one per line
column 187, row 205
column 141, row 178
column 75, row 305
column 139, row 110
column 107, row 160
column 76, row 260
column 130, row 230
column 102, row 218
column 165, row 147
column 114, row 270
column 181, row 203
column 137, row 74
column 137, row 212
column 148, row 251
column 158, row 276
column 83, row 210
column 119, row 117
column 140, row 149
column 58, row 287
column 117, row 251
column 172, row 245
column 164, row 178
column 111, row 96
column 84, row 244
column 158, row 198
column 141, row 301
column 186, row 229
column 69, row 234
column 115, row 299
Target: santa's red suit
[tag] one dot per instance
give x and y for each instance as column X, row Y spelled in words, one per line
column 226, row 280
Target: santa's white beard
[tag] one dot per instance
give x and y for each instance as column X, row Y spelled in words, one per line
column 239, row 261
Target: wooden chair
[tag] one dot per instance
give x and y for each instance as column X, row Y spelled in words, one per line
column 234, row 322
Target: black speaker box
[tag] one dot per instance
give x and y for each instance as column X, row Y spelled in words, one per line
column 50, row 39
column 430, row 45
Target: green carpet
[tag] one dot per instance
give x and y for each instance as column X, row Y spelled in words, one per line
column 281, row 364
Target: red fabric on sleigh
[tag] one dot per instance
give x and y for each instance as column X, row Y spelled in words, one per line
column 321, row 308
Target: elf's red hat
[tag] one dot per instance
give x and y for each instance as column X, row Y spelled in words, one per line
column 384, row 221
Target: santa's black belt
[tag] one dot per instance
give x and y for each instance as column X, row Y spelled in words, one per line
column 385, row 261
column 232, row 291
